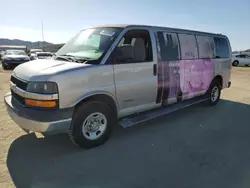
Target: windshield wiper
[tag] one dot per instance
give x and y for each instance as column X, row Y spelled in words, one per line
column 66, row 57
column 72, row 58
column 83, row 59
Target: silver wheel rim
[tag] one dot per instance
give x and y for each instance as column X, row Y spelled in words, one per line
column 94, row 126
column 214, row 94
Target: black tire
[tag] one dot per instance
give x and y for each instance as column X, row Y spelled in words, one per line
column 80, row 115
column 210, row 93
column 235, row 63
column 4, row 67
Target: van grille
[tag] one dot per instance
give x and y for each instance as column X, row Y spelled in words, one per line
column 19, row 83
column 18, row 98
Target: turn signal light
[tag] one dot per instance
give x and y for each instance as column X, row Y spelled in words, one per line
column 42, row 104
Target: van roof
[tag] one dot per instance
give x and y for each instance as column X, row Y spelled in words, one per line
column 158, row 27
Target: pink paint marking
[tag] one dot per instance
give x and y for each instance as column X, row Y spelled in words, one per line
column 196, row 75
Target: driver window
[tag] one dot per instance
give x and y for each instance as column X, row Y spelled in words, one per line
column 140, row 42
column 121, row 42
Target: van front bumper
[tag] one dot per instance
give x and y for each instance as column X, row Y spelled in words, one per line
column 43, row 121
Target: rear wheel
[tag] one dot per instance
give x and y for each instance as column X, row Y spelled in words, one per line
column 214, row 92
column 236, row 63
column 92, row 124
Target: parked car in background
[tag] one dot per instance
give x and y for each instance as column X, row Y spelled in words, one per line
column 43, row 55
column 2, row 53
column 13, row 58
column 32, row 53
column 241, row 59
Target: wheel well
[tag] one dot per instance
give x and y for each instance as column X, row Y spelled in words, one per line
column 102, row 98
column 219, row 79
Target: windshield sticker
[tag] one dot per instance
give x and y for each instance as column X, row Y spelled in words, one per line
column 105, row 32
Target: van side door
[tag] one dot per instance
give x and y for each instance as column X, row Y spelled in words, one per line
column 197, row 64
column 168, row 52
column 136, row 79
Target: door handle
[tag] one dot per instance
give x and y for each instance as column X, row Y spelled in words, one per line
column 154, row 69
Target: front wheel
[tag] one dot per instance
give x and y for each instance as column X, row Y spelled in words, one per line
column 214, row 93
column 92, row 124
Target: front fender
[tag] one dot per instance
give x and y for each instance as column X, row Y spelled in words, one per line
column 95, row 93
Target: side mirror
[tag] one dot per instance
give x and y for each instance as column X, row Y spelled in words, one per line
column 124, row 53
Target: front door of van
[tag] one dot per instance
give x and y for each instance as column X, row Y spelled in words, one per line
column 136, row 80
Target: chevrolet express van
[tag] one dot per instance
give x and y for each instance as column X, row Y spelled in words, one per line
column 118, row 74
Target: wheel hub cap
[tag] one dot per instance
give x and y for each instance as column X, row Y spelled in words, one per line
column 215, row 94
column 94, row 126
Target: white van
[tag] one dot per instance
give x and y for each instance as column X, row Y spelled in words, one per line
column 118, row 74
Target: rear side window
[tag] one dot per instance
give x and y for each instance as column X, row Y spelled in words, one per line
column 240, row 56
column 221, row 47
column 169, row 46
column 206, row 47
column 188, row 46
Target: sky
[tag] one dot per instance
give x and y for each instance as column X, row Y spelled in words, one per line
column 62, row 19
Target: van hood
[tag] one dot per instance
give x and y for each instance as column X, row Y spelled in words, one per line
column 39, row 70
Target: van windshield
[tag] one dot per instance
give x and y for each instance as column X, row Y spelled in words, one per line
column 90, row 44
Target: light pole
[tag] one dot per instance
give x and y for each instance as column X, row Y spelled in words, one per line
column 42, row 37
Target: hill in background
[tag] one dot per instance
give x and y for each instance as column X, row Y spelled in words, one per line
column 23, row 43
column 38, row 44
column 52, row 47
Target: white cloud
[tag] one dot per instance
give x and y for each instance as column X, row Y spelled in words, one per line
column 29, row 34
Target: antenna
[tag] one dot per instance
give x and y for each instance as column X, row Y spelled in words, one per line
column 42, row 37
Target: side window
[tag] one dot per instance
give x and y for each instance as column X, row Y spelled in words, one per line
column 188, row 46
column 169, row 46
column 221, row 47
column 206, row 47
column 140, row 42
column 121, row 42
column 133, row 41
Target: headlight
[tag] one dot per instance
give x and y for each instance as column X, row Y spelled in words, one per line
column 42, row 87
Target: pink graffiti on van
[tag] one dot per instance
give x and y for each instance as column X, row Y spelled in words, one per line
column 196, row 75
